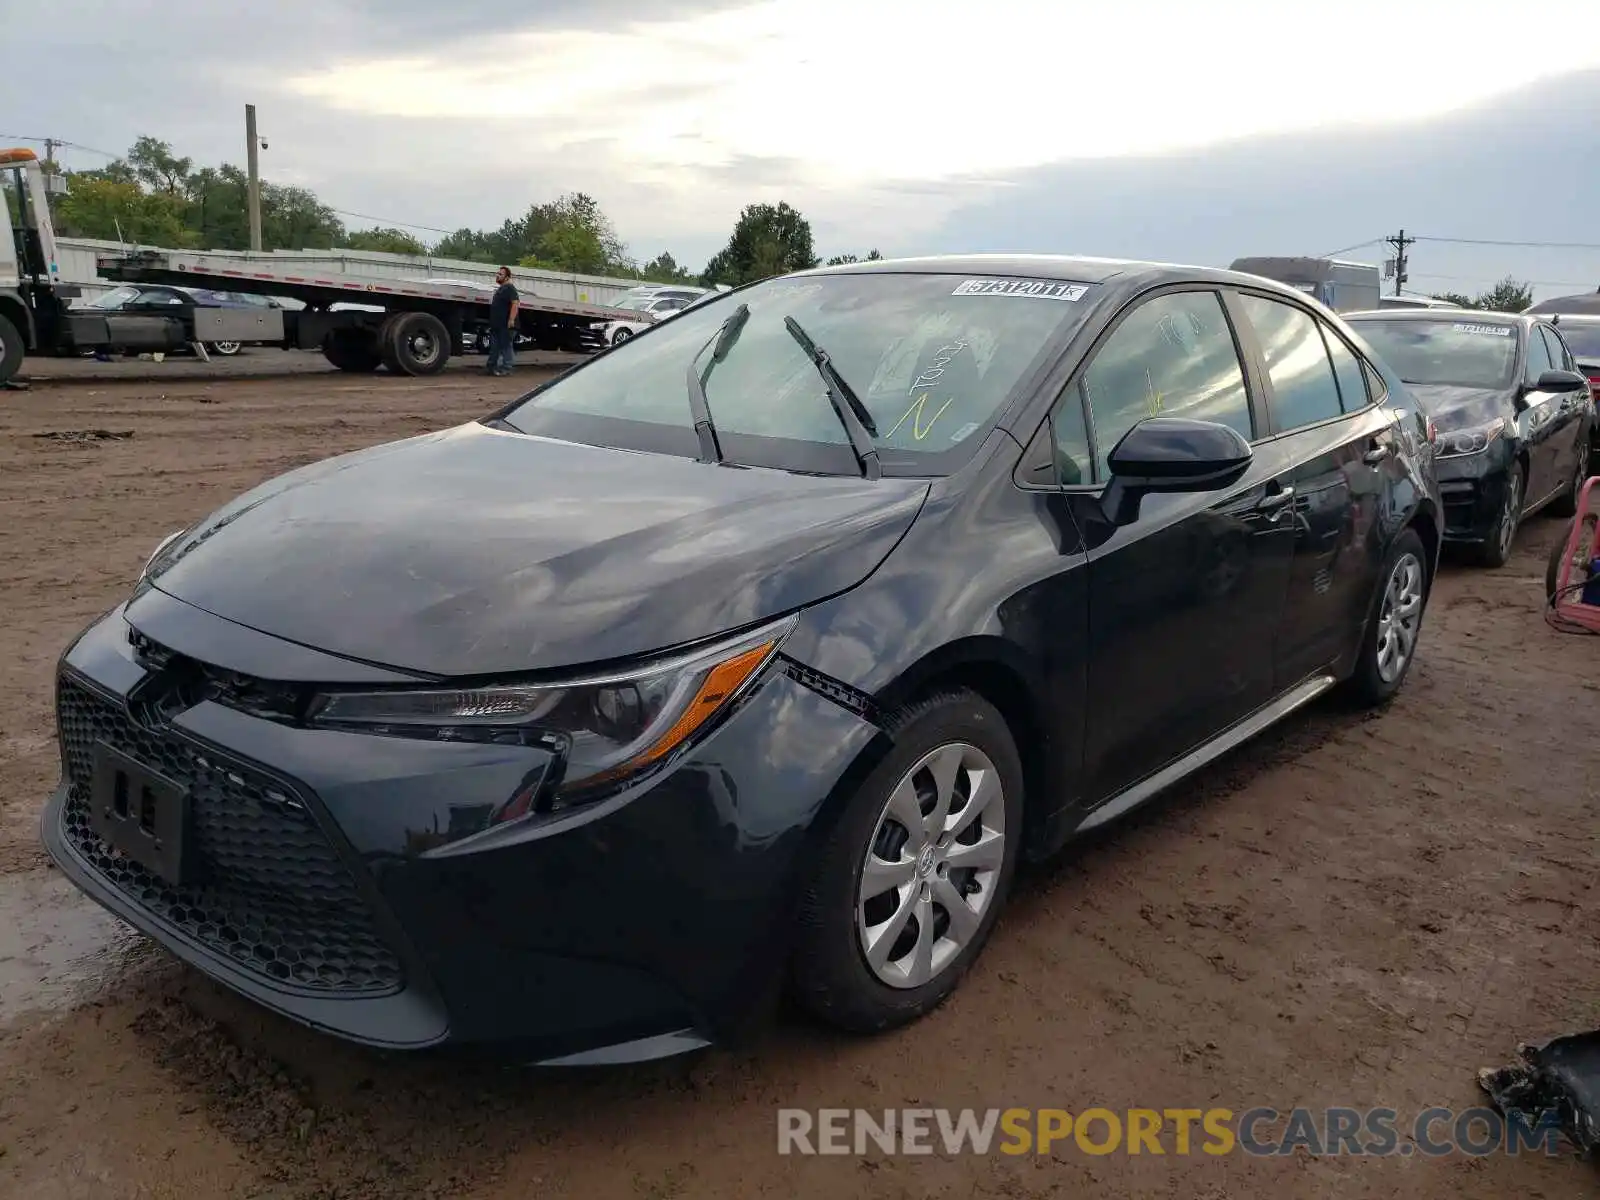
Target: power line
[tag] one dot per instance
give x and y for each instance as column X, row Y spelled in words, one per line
column 1347, row 249
column 385, row 221
column 45, row 141
column 1530, row 245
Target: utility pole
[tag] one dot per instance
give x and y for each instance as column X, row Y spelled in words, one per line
column 1399, row 243
column 253, row 158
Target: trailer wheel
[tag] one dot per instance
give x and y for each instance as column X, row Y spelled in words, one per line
column 11, row 350
column 416, row 342
column 351, row 350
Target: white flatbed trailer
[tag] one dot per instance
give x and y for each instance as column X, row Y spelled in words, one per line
column 360, row 323
column 418, row 327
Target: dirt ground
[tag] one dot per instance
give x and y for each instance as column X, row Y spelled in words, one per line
column 1349, row 911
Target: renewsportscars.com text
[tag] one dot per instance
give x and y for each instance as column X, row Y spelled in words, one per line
column 1433, row 1132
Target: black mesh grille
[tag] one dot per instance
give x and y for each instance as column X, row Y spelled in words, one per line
column 271, row 894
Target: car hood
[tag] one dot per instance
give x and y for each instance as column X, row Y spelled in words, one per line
column 1453, row 407
column 479, row 552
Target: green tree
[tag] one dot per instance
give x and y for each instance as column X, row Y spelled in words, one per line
column 107, row 208
column 839, row 260
column 219, row 210
column 155, row 165
column 663, row 268
column 387, row 240
column 1456, row 298
column 1509, row 296
column 767, row 240
column 292, row 218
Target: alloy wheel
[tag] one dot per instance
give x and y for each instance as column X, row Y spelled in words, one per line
column 1506, row 532
column 1400, row 617
column 933, row 865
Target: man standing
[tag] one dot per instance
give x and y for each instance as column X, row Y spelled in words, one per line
column 503, row 324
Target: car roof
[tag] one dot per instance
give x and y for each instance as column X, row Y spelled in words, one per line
column 1477, row 315
column 1067, row 268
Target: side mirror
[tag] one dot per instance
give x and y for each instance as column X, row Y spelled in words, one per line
column 1561, row 381
column 1171, row 454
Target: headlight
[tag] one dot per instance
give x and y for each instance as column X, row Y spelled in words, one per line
column 604, row 728
column 1470, row 441
column 156, row 553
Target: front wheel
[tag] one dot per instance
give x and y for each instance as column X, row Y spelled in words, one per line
column 913, row 877
column 1495, row 550
column 621, row 336
column 225, row 349
column 11, row 350
column 1390, row 643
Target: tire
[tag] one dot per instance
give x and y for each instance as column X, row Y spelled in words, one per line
column 1404, row 580
column 225, row 349
column 12, row 349
column 1566, row 505
column 621, row 336
column 830, row 973
column 416, row 343
column 1495, row 551
column 352, row 350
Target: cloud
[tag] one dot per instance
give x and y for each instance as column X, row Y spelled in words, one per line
column 905, row 124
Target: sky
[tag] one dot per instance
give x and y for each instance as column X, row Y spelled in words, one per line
column 1153, row 128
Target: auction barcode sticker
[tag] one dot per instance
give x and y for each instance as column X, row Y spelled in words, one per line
column 1036, row 289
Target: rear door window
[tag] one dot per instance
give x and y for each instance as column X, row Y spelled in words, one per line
column 1347, row 369
column 1304, row 388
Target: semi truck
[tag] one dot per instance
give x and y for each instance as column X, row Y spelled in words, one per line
column 1342, row 286
column 359, row 323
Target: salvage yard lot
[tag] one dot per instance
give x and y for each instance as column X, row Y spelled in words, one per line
column 1353, row 910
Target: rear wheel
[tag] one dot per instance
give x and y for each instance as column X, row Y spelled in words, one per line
column 1390, row 643
column 1495, row 550
column 11, row 350
column 352, row 350
column 914, row 875
column 416, row 343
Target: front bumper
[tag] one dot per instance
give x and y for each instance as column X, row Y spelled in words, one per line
column 351, row 882
column 1472, row 488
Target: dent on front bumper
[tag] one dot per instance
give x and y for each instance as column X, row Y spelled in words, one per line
column 1472, row 488
column 385, row 912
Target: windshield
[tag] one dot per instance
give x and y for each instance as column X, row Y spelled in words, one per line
column 630, row 301
column 1444, row 351
column 932, row 357
column 1582, row 340
column 116, row 298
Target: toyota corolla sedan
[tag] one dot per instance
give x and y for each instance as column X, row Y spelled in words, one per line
column 1512, row 412
column 754, row 652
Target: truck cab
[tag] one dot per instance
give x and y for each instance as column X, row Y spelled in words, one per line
column 32, row 298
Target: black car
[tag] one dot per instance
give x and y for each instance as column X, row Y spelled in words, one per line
column 155, row 297
column 1513, row 415
column 755, row 650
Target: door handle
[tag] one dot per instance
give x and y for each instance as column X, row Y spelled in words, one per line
column 1274, row 502
column 1377, row 454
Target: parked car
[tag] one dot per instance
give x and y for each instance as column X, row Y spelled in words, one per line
column 148, row 297
column 758, row 649
column 1515, row 419
column 1581, row 332
column 656, row 301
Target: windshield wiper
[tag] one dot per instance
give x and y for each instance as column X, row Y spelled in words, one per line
column 853, row 414
column 726, row 335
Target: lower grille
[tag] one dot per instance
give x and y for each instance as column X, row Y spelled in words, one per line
column 271, row 894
